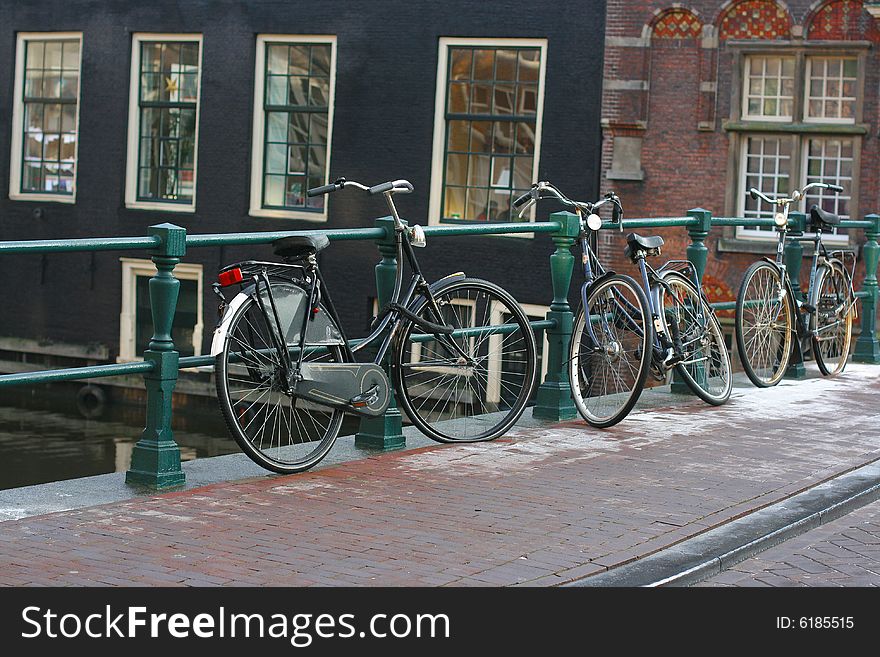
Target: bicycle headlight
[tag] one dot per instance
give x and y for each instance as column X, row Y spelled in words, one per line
column 779, row 219
column 594, row 222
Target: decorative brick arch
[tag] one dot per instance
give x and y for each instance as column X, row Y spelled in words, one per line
column 754, row 19
column 676, row 23
column 841, row 20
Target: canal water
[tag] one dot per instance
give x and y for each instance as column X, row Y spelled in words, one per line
column 43, row 437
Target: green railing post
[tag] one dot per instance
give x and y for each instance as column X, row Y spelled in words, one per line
column 867, row 346
column 697, row 253
column 155, row 461
column 698, row 256
column 385, row 432
column 554, row 395
column 794, row 260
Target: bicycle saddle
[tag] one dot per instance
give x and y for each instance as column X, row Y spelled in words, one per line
column 647, row 243
column 818, row 215
column 635, row 243
column 300, row 246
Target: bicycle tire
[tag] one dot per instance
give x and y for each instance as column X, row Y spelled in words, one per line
column 589, row 363
column 467, row 403
column 764, row 351
column 831, row 297
column 709, row 335
column 308, row 424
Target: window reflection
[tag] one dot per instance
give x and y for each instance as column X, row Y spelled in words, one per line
column 491, row 111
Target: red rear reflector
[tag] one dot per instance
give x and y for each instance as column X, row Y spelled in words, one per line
column 230, row 277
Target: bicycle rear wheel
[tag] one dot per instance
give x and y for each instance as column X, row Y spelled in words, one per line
column 275, row 429
column 832, row 323
column 610, row 356
column 473, row 385
column 706, row 366
column 764, row 325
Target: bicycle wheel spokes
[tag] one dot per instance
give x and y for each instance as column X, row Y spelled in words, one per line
column 764, row 325
column 610, row 351
column 277, row 430
column 706, row 365
column 833, row 321
column 472, row 385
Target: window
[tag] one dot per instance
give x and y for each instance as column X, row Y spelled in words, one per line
column 45, row 117
column 487, row 129
column 136, row 320
column 293, row 119
column 817, row 139
column 163, row 122
column 769, row 88
column 831, row 93
column 535, row 313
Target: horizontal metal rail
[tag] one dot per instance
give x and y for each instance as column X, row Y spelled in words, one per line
column 156, row 459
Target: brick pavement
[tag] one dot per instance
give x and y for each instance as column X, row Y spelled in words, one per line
column 539, row 507
column 844, row 552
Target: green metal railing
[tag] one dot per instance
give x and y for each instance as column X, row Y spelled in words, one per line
column 156, row 457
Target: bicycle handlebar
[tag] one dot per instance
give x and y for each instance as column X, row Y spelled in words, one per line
column 522, row 199
column 535, row 193
column 393, row 186
column 796, row 195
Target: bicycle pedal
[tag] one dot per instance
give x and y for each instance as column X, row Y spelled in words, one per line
column 366, row 398
column 672, row 359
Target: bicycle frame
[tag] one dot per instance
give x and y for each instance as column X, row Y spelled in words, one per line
column 385, row 324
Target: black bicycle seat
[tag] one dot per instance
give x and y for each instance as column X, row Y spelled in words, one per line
column 819, row 216
column 300, row 246
column 647, row 243
column 635, row 242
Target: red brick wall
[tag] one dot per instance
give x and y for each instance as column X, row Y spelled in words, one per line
column 685, row 166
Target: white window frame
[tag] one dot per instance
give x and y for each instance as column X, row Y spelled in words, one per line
column 808, row 73
column 439, row 141
column 258, row 144
column 131, row 269
column 16, row 159
column 134, row 128
column 797, row 179
column 746, row 85
column 831, row 238
column 493, row 392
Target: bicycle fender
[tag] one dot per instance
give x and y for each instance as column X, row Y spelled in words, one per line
column 219, row 338
column 449, row 278
column 416, row 303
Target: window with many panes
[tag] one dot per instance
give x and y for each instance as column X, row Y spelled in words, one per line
column 45, row 117
column 487, row 133
column 293, row 111
column 163, row 129
column 820, row 143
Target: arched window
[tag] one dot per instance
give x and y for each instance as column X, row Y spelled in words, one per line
column 755, row 19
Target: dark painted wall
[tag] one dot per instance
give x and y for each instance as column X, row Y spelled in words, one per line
column 383, row 127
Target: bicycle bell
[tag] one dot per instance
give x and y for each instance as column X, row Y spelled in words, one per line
column 594, row 221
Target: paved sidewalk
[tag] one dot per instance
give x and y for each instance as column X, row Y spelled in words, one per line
column 845, row 552
column 543, row 506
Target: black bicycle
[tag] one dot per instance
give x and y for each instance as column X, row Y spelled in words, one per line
column 773, row 324
column 462, row 352
column 663, row 324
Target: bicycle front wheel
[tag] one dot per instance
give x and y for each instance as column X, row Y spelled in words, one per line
column 611, row 351
column 764, row 325
column 473, row 385
column 832, row 298
column 275, row 429
column 706, row 365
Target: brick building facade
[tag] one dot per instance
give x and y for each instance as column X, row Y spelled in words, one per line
column 704, row 99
